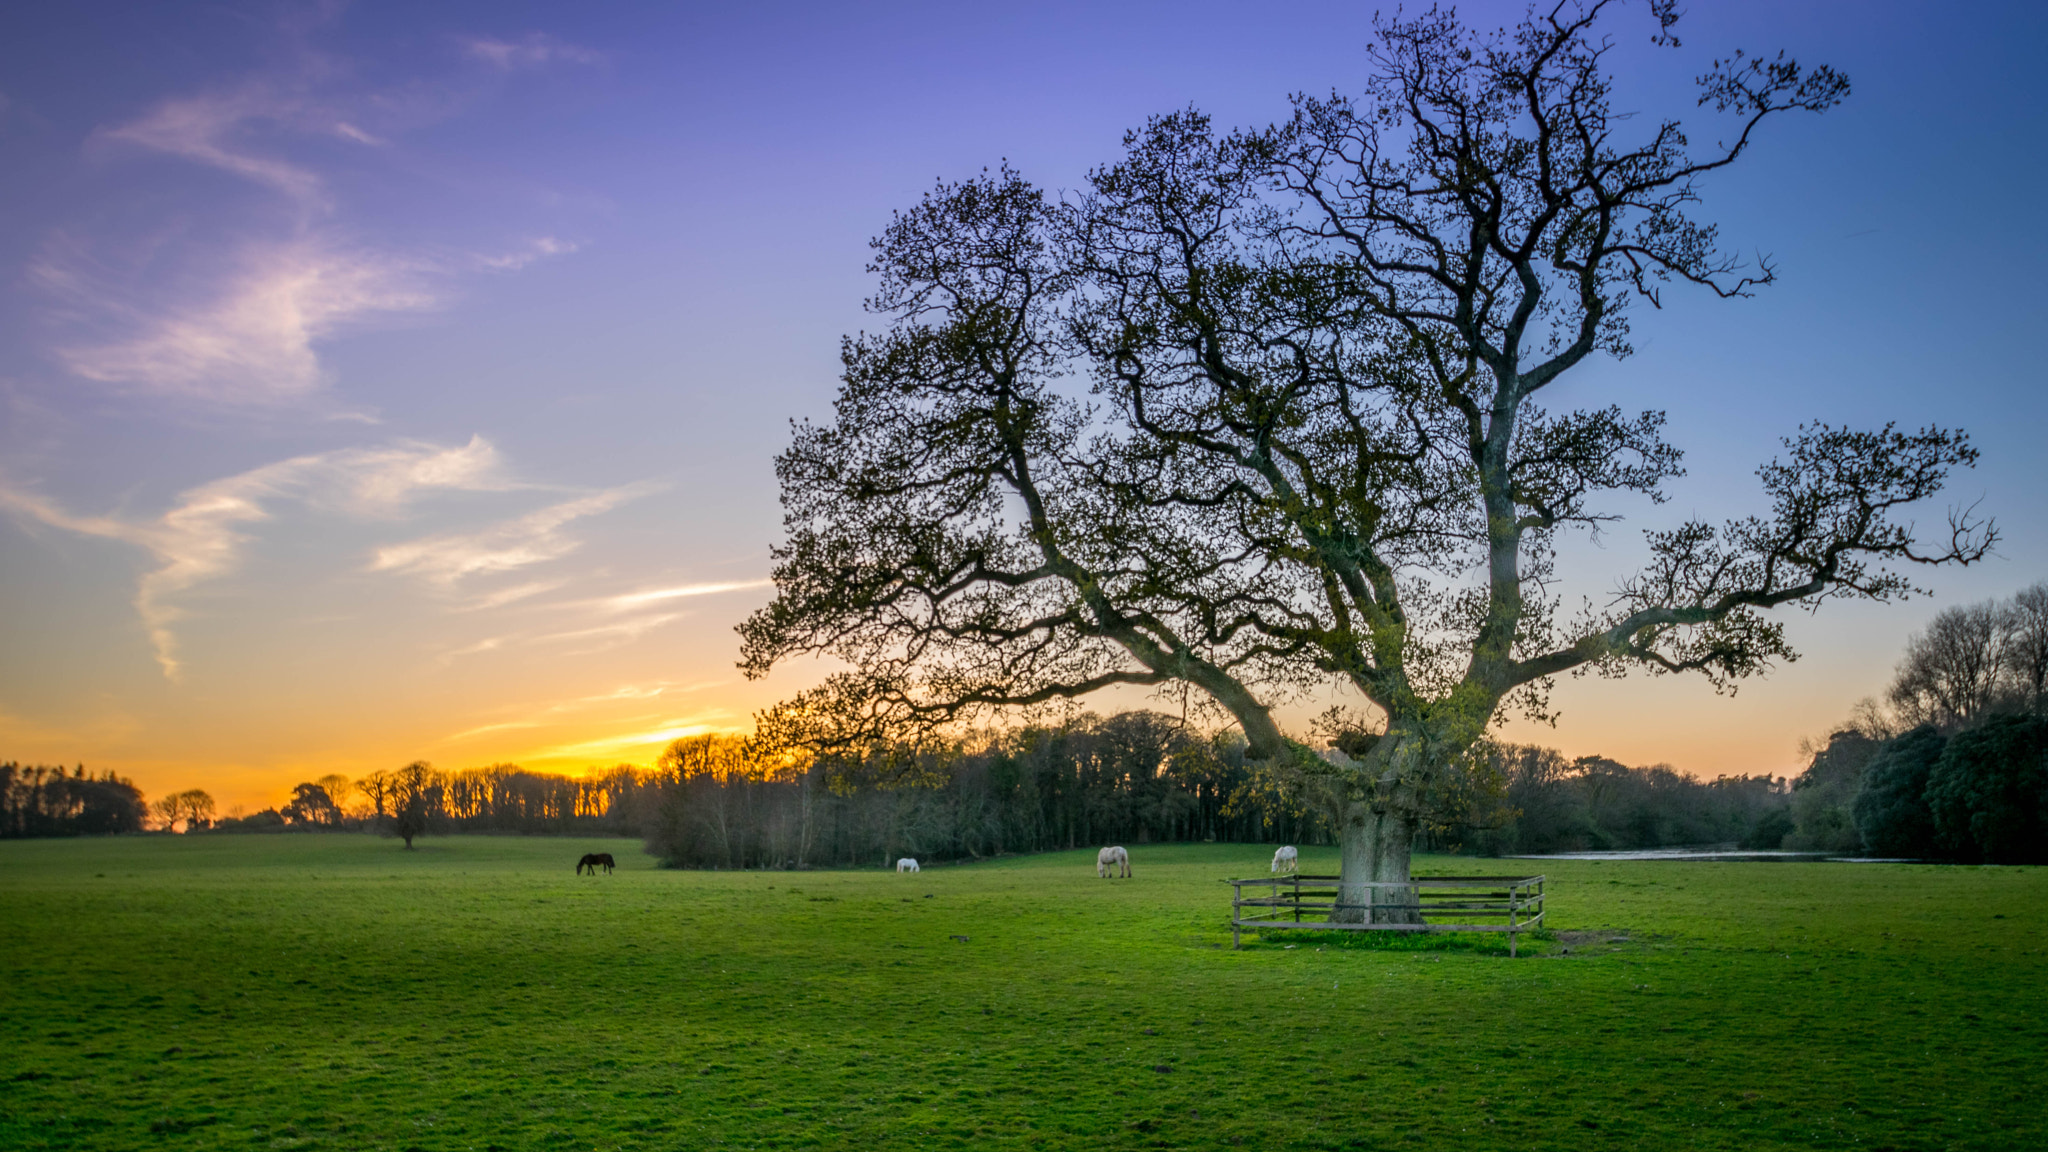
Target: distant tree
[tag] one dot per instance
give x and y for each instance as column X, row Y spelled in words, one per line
column 2026, row 645
column 1824, row 796
column 186, row 811
column 1317, row 450
column 1769, row 832
column 1951, row 671
column 1872, row 721
column 376, row 788
column 716, row 790
column 1989, row 792
column 339, row 789
column 1542, row 810
column 1891, row 809
column 1552, row 805
column 311, row 807
column 414, row 797
column 263, row 820
column 197, row 808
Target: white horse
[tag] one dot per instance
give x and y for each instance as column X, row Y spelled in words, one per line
column 1286, row 859
column 906, row 865
column 1111, row 858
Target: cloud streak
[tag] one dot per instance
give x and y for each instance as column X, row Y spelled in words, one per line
column 533, row 250
column 249, row 329
column 533, row 50
column 254, row 340
column 662, row 733
column 620, row 619
column 205, row 129
column 449, row 559
column 631, row 600
column 202, row 536
column 539, row 716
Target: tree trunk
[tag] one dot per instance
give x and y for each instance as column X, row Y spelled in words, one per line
column 1376, row 848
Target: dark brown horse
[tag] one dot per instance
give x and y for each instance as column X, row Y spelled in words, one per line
column 592, row 860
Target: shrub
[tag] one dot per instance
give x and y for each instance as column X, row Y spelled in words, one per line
column 1891, row 811
column 1769, row 831
column 1823, row 795
column 1988, row 789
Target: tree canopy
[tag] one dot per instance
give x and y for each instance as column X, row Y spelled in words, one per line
column 1257, row 410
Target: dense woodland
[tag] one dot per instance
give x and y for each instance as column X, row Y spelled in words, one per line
column 1136, row 777
column 1140, row 778
column 1952, row 765
column 41, row 801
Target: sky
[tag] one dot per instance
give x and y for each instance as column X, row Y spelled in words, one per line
column 384, row 381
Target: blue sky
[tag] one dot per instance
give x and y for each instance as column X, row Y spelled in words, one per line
column 386, row 381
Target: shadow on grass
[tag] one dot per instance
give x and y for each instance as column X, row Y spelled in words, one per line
column 1534, row 943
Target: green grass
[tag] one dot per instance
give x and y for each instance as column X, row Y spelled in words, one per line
column 273, row 992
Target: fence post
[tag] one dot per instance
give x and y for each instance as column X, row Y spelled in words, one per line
column 1524, row 895
column 1514, row 891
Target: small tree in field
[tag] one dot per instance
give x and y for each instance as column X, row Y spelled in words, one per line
column 415, row 795
column 1315, row 448
column 193, row 808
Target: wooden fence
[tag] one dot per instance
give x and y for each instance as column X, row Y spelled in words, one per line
column 1423, row 904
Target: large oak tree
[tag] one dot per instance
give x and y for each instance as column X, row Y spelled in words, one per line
column 1258, row 410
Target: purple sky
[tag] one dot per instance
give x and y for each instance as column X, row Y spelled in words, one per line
column 389, row 381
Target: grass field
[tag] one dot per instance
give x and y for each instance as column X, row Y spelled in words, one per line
column 283, row 992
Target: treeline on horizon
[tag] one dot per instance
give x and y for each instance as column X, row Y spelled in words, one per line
column 1143, row 778
column 1952, row 765
column 1135, row 777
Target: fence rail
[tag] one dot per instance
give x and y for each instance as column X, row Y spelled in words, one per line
column 1421, row 904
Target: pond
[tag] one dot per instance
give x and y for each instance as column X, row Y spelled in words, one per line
column 1723, row 852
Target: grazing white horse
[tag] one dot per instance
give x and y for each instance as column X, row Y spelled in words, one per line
column 1110, row 858
column 1286, row 859
column 906, row 865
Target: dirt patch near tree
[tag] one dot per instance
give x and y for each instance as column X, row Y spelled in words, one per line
column 1596, row 941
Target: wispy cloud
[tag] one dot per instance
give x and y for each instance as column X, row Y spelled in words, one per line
column 253, row 340
column 631, row 600
column 542, row 715
column 662, row 733
column 522, row 256
column 611, row 635
column 619, row 619
column 498, row 598
column 210, row 129
column 596, row 638
column 450, row 558
column 487, row 644
column 203, row 535
column 177, row 318
column 349, row 131
column 533, row 50
column 379, row 481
